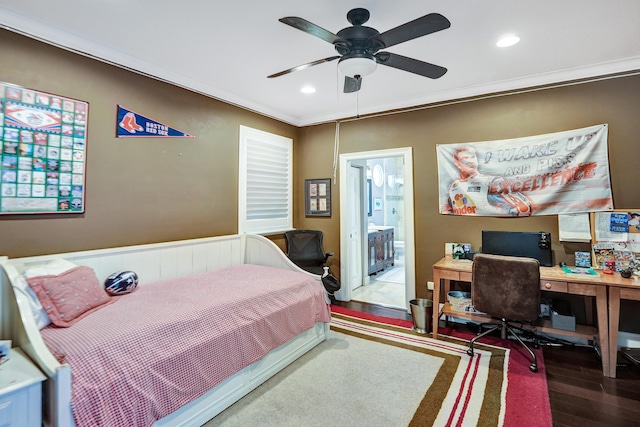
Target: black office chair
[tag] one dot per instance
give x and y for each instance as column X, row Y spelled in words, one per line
column 304, row 248
column 507, row 288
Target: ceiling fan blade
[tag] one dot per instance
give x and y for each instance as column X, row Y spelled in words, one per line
column 417, row 28
column 303, row 66
column 310, row 28
column 411, row 65
column 352, row 84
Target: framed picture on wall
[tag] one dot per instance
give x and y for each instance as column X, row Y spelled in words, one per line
column 43, row 141
column 317, row 197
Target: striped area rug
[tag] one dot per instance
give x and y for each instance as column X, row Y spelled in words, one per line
column 376, row 372
column 492, row 388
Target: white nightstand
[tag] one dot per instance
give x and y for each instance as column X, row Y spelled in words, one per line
column 20, row 392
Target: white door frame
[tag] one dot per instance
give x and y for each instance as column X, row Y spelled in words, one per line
column 345, row 292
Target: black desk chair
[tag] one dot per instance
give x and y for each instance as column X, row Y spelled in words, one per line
column 507, row 288
column 304, row 248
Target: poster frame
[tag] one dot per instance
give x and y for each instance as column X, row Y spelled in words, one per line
column 317, row 197
column 43, row 151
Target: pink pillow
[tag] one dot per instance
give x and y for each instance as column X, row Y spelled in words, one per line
column 70, row 296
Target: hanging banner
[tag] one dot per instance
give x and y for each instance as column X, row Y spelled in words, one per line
column 133, row 125
column 564, row 172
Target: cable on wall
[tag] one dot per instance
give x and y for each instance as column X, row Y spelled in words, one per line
column 336, row 150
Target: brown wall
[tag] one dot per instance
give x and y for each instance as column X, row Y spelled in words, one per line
column 615, row 102
column 157, row 189
column 137, row 190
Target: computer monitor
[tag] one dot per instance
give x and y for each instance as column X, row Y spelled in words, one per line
column 518, row 243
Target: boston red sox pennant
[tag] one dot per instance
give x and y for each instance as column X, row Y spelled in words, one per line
column 133, row 125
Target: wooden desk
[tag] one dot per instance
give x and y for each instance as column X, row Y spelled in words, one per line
column 619, row 288
column 551, row 279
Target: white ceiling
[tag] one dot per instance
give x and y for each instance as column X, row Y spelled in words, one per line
column 226, row 49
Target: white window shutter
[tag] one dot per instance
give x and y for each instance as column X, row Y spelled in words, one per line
column 265, row 182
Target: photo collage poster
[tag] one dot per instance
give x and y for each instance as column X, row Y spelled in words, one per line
column 43, row 146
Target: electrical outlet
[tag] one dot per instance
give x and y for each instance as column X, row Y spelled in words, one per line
column 430, row 286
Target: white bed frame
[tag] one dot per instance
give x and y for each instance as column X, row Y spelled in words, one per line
column 152, row 262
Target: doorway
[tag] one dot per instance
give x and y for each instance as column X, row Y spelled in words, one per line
column 383, row 200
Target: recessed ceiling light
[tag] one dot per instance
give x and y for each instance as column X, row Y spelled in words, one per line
column 308, row 89
column 508, row 40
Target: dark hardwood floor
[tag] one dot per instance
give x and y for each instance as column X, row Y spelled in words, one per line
column 579, row 395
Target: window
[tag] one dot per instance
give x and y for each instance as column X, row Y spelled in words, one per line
column 265, row 182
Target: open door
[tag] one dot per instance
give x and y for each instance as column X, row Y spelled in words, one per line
column 356, row 214
column 354, row 259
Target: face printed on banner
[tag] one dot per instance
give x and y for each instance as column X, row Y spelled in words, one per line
column 466, row 161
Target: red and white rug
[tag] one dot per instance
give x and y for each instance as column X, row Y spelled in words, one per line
column 492, row 388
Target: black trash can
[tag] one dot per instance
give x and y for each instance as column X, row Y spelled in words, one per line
column 422, row 313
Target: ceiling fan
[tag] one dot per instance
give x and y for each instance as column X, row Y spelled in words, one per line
column 359, row 46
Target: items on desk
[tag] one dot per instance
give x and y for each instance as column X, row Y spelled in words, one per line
column 610, row 267
column 469, row 255
column 583, row 259
column 460, row 301
column 545, row 308
column 623, row 259
column 607, row 257
column 457, row 250
column 535, row 245
column 579, row 271
column 561, row 316
column 602, row 252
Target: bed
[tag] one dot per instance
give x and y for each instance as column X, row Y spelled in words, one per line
column 278, row 327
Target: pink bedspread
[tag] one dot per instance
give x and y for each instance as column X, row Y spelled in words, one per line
column 152, row 351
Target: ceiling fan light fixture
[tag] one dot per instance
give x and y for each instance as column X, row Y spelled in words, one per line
column 357, row 66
